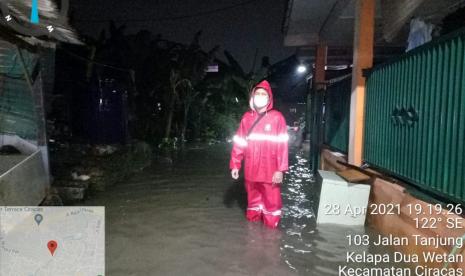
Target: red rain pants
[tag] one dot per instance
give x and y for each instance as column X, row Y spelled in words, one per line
column 264, row 203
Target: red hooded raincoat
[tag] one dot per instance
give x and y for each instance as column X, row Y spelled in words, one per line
column 264, row 151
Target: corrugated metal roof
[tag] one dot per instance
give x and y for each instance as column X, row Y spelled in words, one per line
column 49, row 16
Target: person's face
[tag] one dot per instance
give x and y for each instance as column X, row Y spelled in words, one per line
column 260, row 98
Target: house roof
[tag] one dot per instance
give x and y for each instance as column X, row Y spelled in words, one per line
column 306, row 22
column 49, row 14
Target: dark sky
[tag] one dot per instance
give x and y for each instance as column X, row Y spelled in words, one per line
column 248, row 25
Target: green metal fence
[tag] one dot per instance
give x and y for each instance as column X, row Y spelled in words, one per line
column 415, row 117
column 316, row 130
column 337, row 114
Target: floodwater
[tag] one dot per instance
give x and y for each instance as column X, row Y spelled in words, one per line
column 187, row 218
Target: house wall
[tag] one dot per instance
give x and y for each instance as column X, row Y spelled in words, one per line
column 26, row 183
column 22, row 124
column 17, row 111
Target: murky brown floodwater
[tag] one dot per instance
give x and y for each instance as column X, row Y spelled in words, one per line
column 187, row 218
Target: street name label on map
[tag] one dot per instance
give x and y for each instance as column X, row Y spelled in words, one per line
column 52, row 240
column 21, row 209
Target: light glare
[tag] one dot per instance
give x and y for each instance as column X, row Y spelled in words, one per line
column 301, row 69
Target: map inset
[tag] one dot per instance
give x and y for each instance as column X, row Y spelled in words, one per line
column 52, row 241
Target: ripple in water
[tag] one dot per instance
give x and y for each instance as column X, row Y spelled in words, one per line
column 304, row 248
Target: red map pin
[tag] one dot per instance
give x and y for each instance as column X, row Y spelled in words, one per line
column 52, row 246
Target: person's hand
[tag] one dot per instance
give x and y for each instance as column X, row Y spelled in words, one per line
column 277, row 178
column 235, row 174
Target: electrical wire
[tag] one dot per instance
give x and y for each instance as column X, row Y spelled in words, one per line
column 168, row 17
column 94, row 62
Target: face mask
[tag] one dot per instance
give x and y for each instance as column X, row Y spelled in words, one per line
column 260, row 101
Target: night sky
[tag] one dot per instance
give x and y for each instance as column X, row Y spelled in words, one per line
column 239, row 26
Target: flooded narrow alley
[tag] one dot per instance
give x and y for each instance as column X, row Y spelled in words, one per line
column 187, row 218
column 123, row 125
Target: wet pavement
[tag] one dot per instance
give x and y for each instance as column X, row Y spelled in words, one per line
column 187, row 218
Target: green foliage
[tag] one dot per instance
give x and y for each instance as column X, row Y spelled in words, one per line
column 225, row 125
column 209, row 134
column 221, row 125
column 168, row 144
column 173, row 95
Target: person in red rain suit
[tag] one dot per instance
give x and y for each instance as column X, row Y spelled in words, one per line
column 264, row 149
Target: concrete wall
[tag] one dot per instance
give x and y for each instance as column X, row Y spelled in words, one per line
column 403, row 224
column 329, row 160
column 26, row 183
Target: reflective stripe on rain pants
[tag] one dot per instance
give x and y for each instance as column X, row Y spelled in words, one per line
column 263, row 203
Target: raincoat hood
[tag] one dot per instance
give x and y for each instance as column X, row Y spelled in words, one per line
column 265, row 85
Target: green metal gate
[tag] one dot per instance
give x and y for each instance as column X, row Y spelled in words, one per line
column 337, row 114
column 316, row 130
column 415, row 117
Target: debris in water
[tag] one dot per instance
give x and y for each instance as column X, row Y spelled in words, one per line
column 81, row 177
column 104, row 150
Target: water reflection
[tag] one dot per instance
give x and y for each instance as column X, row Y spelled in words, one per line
column 306, row 248
column 299, row 246
column 187, row 218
